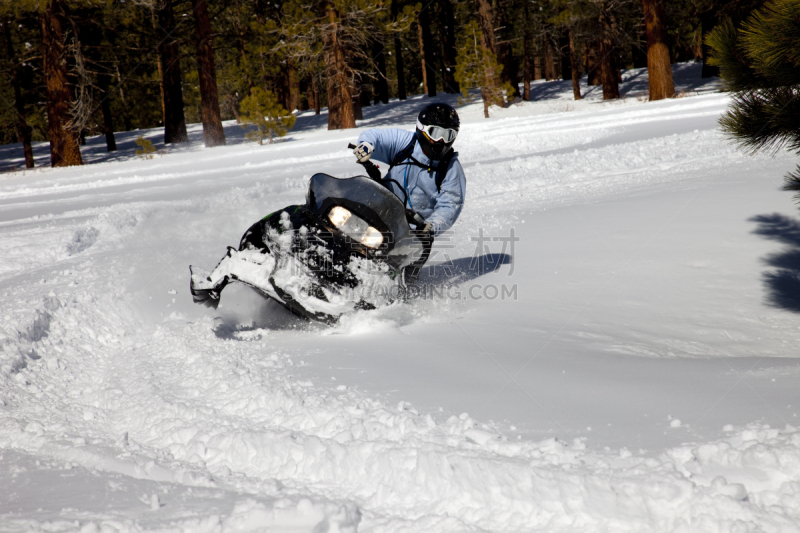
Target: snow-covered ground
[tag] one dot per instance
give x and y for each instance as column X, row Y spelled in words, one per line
column 630, row 363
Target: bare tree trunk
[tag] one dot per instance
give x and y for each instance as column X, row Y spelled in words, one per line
column 422, row 58
column 592, row 64
column 294, row 87
column 174, row 119
column 64, row 148
column 549, row 59
column 486, row 22
column 505, row 52
column 340, row 101
column 526, row 54
column 447, row 22
column 426, row 51
column 615, row 57
column 574, row 67
column 105, row 104
column 563, row 50
column 126, row 116
column 23, row 130
column 213, row 133
column 160, row 64
column 537, row 68
column 489, row 44
column 315, row 93
column 381, row 84
column 398, row 55
column 659, row 70
column 607, row 71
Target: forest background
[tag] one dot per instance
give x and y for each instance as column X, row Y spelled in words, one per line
column 77, row 68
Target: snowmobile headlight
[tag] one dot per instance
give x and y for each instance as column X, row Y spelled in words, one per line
column 339, row 216
column 355, row 227
column 372, row 238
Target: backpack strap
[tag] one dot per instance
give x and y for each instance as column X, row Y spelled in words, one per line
column 441, row 169
column 403, row 154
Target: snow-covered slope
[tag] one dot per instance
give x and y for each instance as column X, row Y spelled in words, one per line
column 628, row 364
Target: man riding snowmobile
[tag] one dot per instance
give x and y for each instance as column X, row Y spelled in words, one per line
column 356, row 240
column 432, row 179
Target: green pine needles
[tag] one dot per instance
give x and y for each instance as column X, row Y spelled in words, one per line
column 262, row 110
column 760, row 62
column 146, row 148
column 476, row 66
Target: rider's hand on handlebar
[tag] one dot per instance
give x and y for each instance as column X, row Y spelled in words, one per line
column 425, row 231
column 363, row 151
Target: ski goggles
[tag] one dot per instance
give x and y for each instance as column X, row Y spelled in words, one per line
column 436, row 133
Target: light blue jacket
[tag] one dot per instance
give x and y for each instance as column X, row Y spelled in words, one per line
column 439, row 208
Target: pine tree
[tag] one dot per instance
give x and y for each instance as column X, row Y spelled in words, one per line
column 760, row 62
column 477, row 66
column 262, row 110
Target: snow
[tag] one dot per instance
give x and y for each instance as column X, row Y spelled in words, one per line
column 628, row 364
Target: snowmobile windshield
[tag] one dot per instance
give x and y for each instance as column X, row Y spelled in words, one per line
column 373, row 202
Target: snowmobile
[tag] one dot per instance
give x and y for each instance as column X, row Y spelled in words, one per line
column 349, row 247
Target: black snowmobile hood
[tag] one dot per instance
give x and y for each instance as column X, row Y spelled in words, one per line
column 373, row 202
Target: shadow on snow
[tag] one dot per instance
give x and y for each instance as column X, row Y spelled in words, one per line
column 783, row 283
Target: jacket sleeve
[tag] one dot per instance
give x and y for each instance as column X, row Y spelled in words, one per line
column 450, row 200
column 387, row 142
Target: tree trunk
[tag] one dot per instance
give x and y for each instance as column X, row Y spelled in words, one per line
column 447, row 23
column 294, row 87
column 23, row 130
column 426, row 51
column 398, row 55
column 537, row 67
column 64, row 148
column 160, row 65
column 486, row 22
column 126, row 116
column 526, row 54
column 592, row 65
column 608, row 75
column 174, row 119
column 381, row 84
column 315, row 92
column 422, row 58
column 105, row 104
column 574, row 66
column 505, row 52
column 563, row 48
column 615, row 56
column 659, row 70
column 338, row 77
column 707, row 23
column 213, row 134
column 549, row 59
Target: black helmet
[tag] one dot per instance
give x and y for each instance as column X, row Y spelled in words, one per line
column 437, row 127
